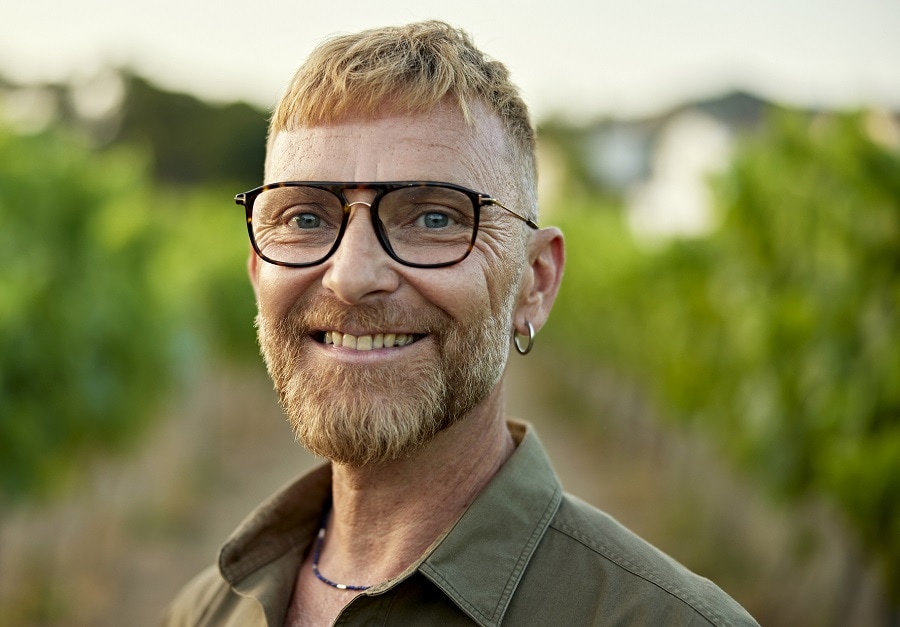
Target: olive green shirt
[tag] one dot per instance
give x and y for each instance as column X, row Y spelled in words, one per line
column 524, row 553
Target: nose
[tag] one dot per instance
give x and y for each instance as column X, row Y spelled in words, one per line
column 360, row 267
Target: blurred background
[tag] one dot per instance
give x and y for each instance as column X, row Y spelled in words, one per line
column 721, row 372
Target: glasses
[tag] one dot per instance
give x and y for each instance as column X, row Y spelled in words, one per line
column 421, row 224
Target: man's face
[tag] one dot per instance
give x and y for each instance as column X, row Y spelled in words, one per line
column 450, row 326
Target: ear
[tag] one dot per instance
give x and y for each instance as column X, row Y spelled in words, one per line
column 546, row 258
column 253, row 271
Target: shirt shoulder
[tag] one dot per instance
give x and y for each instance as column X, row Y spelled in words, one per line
column 208, row 600
column 599, row 572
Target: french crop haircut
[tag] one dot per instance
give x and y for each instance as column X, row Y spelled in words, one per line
column 410, row 69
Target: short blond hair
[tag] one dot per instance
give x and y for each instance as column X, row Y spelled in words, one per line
column 413, row 67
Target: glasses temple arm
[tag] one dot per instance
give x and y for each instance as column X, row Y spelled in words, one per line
column 528, row 221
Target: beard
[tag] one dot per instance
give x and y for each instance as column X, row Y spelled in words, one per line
column 359, row 414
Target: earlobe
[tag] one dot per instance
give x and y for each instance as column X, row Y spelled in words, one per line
column 540, row 285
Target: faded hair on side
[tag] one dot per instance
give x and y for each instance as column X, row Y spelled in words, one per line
column 410, row 68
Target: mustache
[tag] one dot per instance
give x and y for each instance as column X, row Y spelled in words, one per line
column 325, row 312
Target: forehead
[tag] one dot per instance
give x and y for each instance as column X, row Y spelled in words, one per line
column 437, row 145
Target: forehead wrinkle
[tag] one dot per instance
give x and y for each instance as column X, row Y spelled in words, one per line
column 480, row 148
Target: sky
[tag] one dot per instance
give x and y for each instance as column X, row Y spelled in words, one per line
column 580, row 58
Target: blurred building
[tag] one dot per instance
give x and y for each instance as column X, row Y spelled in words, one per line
column 657, row 166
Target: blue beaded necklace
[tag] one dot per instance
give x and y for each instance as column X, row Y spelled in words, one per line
column 315, row 567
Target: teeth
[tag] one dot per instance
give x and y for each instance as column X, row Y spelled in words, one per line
column 368, row 342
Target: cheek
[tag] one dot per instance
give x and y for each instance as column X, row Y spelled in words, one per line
column 501, row 272
column 482, row 290
column 460, row 291
column 279, row 288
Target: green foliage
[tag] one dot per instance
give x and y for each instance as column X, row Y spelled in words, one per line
column 82, row 352
column 111, row 291
column 201, row 271
column 778, row 334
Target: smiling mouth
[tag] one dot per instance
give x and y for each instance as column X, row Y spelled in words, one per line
column 367, row 342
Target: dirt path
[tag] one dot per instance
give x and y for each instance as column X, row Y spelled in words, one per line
column 117, row 550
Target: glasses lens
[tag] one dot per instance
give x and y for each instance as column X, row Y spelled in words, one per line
column 428, row 224
column 296, row 224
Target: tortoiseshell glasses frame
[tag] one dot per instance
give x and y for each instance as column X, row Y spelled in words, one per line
column 423, row 224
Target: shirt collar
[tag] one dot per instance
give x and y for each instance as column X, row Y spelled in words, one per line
column 480, row 562
column 477, row 564
column 262, row 556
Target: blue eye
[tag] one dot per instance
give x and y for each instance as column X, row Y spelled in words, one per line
column 434, row 220
column 307, row 221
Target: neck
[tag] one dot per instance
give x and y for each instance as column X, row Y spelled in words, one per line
column 384, row 517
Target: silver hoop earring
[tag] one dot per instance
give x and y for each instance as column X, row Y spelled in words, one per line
column 527, row 349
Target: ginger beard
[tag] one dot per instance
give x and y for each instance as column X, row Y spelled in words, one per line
column 357, row 415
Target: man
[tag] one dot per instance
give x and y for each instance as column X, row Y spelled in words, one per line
column 395, row 252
